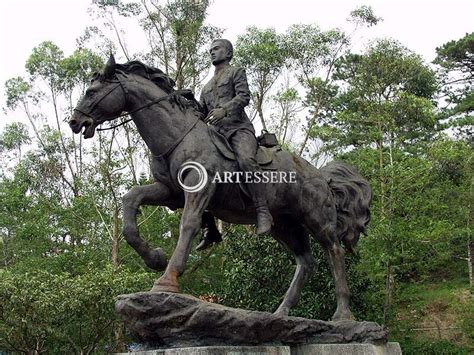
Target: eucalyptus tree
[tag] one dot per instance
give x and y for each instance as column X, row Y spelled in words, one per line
column 312, row 54
column 285, row 118
column 57, row 77
column 261, row 53
column 61, row 173
column 179, row 39
column 13, row 137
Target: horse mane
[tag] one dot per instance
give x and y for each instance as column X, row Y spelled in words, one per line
column 183, row 98
column 155, row 75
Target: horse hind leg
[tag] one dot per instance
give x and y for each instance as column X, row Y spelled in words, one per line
column 321, row 220
column 335, row 254
column 296, row 240
column 154, row 194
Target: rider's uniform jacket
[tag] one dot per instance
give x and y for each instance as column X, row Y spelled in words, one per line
column 228, row 89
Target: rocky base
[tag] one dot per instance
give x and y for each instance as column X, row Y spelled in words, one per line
column 164, row 320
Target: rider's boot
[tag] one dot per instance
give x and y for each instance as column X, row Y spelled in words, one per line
column 210, row 233
column 264, row 220
column 210, row 236
column 264, row 217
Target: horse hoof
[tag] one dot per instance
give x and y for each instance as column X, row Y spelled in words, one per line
column 165, row 288
column 156, row 260
column 281, row 312
column 340, row 316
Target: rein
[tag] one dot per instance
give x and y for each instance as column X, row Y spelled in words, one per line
column 151, row 103
column 178, row 141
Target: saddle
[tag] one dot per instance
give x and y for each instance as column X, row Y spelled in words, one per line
column 264, row 155
column 237, row 196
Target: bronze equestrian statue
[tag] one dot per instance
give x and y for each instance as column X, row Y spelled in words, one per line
column 330, row 204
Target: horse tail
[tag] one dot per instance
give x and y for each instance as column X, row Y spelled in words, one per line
column 353, row 196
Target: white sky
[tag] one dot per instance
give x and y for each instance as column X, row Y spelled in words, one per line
column 421, row 25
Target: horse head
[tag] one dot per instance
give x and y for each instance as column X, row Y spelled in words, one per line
column 104, row 100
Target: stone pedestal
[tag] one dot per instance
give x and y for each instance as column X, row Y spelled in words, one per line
column 308, row 349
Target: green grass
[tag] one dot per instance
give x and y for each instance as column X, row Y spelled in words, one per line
column 448, row 303
column 410, row 345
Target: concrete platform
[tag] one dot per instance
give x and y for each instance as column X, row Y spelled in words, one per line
column 347, row 349
column 218, row 350
column 308, row 349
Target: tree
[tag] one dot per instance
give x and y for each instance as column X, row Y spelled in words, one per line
column 14, row 136
column 107, row 12
column 384, row 111
column 180, row 39
column 20, row 94
column 313, row 54
column 387, row 100
column 285, row 119
column 260, row 52
column 57, row 312
column 429, row 222
column 455, row 60
column 60, row 75
column 71, row 186
column 452, row 186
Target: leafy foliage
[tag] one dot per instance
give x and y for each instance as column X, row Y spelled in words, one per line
column 179, row 39
column 387, row 100
column 456, row 59
column 364, row 15
column 13, row 137
column 261, row 52
column 43, row 311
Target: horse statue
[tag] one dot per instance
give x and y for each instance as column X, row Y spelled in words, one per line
column 330, row 204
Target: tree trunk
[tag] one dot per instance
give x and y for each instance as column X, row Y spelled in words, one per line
column 260, row 109
column 115, row 237
column 72, row 184
column 470, row 260
column 120, row 346
column 388, row 292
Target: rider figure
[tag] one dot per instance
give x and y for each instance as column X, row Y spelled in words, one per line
column 223, row 100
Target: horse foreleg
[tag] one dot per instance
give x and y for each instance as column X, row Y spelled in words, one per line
column 296, row 240
column 335, row 254
column 194, row 206
column 154, row 194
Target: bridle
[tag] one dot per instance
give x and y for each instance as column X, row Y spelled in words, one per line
column 121, row 84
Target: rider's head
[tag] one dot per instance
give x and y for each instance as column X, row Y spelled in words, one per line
column 221, row 50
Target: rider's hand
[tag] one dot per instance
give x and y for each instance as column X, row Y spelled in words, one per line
column 215, row 115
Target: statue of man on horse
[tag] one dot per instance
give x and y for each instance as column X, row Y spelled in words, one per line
column 329, row 205
column 223, row 100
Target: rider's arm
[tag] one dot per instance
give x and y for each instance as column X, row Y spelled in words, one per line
column 241, row 99
column 203, row 107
